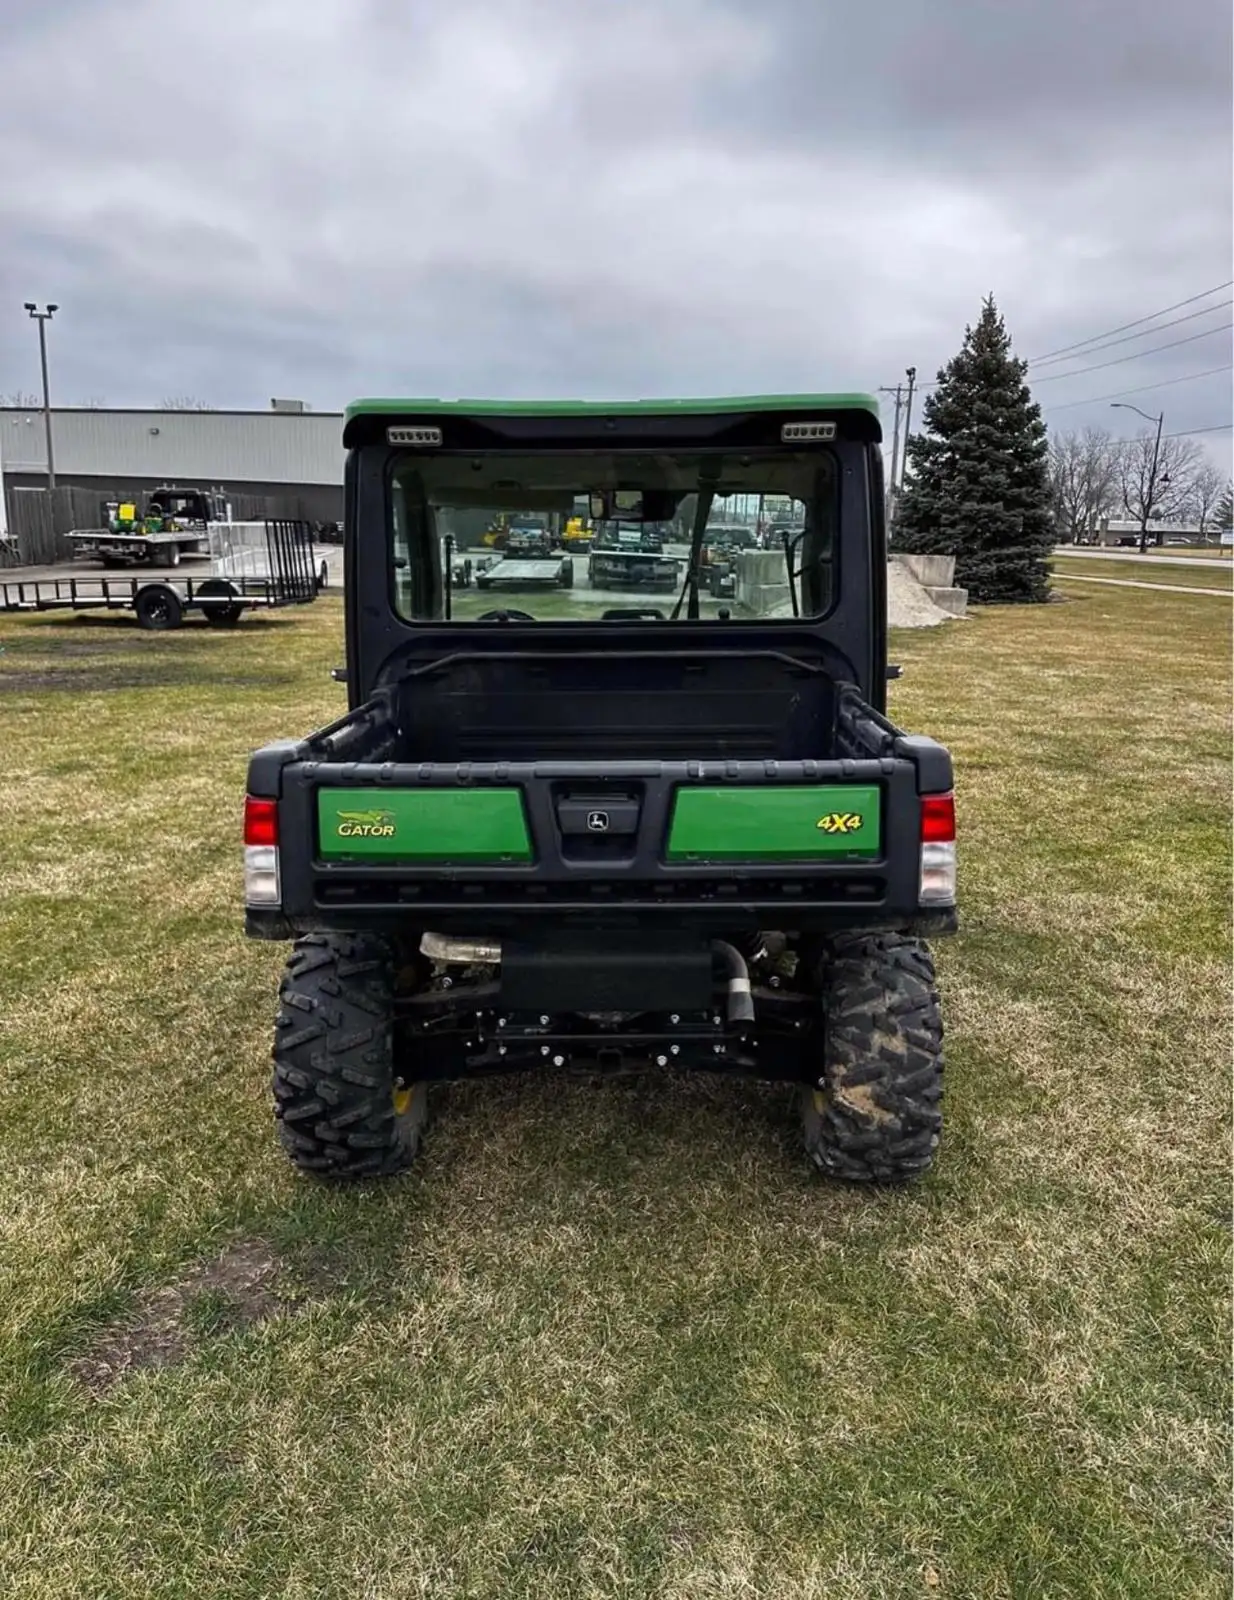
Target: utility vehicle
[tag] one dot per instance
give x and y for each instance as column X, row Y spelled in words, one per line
column 618, row 838
column 630, row 555
column 174, row 522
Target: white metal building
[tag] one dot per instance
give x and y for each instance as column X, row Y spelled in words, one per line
column 288, row 456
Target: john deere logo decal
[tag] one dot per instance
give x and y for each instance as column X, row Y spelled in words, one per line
column 841, row 822
column 365, row 825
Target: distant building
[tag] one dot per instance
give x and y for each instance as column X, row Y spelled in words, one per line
column 1116, row 532
column 285, row 462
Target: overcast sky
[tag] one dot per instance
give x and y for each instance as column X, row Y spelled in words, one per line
column 327, row 198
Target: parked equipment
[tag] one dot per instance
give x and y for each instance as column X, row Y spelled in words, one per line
column 528, row 561
column 173, row 522
column 609, row 839
column 628, row 555
column 284, row 576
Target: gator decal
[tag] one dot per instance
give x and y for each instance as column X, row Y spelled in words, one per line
column 450, row 826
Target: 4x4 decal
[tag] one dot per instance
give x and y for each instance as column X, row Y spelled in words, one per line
column 841, row 822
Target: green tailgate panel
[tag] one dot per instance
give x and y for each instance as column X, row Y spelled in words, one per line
column 782, row 822
column 443, row 825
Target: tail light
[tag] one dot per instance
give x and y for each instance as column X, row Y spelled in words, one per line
column 261, row 852
column 938, row 853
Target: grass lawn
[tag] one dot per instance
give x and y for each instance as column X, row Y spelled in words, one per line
column 1141, row 572
column 621, row 1341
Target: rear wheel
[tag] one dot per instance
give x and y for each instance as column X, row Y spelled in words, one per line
column 343, row 1111
column 219, row 602
column 874, row 1115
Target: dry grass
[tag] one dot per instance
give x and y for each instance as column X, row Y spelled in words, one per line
column 621, row 1341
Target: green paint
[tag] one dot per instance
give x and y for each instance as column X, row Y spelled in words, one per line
column 439, row 825
column 616, row 408
column 778, row 822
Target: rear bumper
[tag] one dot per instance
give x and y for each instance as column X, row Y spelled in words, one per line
column 566, row 883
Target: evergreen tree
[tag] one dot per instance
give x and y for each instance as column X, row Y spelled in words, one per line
column 1223, row 516
column 979, row 487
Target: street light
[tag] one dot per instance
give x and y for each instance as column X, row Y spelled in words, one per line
column 43, row 318
column 1121, row 405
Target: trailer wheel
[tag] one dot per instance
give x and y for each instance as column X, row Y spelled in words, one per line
column 567, row 574
column 158, row 608
column 873, row 1115
column 343, row 1111
column 223, row 612
column 170, row 556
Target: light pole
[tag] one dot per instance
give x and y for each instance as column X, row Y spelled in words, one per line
column 43, row 318
column 1121, row 405
column 911, row 374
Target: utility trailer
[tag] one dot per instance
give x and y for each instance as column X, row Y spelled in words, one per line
column 528, row 561
column 285, row 576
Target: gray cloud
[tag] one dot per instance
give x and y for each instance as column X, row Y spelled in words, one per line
column 543, row 197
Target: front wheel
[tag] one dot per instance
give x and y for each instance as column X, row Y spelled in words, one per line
column 343, row 1111
column 874, row 1114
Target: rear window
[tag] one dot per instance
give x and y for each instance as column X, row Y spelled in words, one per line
column 447, row 564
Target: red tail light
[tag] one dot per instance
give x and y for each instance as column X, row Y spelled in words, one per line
column 938, row 819
column 261, row 821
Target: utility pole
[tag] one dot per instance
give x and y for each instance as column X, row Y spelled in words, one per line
column 911, row 374
column 43, row 318
column 1149, row 500
column 898, row 391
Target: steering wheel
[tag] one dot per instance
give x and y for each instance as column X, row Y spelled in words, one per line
column 505, row 616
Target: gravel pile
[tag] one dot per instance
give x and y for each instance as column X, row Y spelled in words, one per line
column 908, row 605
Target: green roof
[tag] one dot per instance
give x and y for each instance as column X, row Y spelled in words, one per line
column 580, row 408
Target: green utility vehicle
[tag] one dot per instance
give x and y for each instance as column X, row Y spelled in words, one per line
column 612, row 836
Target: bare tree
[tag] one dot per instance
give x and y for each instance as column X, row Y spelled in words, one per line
column 1155, row 484
column 186, row 402
column 20, row 400
column 1084, row 477
column 1206, row 490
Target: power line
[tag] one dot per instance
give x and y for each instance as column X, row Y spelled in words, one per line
column 1185, row 433
column 1130, row 338
column 1138, row 323
column 1100, row 366
column 1144, row 388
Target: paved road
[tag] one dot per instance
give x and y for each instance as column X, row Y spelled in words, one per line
column 1086, row 553
column 1136, row 583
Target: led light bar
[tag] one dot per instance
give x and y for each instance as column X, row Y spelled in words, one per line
column 807, row 432
column 423, row 438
